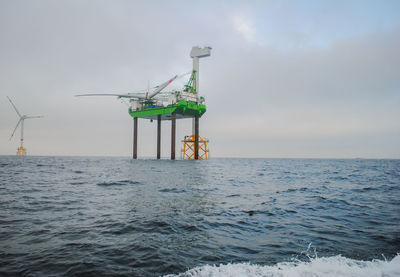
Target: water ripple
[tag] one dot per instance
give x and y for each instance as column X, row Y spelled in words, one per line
column 63, row 216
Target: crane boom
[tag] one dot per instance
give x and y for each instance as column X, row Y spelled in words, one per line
column 161, row 87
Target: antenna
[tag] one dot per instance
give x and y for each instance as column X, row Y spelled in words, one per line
column 21, row 151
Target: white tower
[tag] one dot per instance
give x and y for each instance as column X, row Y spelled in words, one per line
column 195, row 54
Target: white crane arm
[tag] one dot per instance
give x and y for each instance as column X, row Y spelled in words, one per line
column 161, row 87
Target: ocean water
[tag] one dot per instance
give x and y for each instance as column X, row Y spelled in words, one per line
column 91, row 216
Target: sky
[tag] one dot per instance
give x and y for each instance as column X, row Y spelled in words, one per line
column 285, row 79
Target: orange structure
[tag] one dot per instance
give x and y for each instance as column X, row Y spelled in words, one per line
column 188, row 150
column 21, row 151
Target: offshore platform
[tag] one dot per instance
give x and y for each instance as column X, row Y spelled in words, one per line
column 173, row 105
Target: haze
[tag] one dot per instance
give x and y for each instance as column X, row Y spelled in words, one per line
column 312, row 79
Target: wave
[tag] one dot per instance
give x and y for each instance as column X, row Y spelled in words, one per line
column 336, row 266
column 118, row 183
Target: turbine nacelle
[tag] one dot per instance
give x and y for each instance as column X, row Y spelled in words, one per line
column 198, row 52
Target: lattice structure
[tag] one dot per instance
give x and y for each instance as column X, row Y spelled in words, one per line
column 21, row 151
column 188, row 148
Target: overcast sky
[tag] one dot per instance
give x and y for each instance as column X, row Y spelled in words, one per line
column 313, row 79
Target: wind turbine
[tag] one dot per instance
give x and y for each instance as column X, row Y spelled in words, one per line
column 21, row 151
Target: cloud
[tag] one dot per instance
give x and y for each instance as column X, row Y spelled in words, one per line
column 261, row 101
column 348, row 90
column 244, row 26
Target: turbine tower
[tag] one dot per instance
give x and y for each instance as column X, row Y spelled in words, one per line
column 195, row 54
column 21, row 151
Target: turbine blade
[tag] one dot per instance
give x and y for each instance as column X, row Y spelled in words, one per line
column 14, row 107
column 140, row 96
column 36, row 116
column 15, row 128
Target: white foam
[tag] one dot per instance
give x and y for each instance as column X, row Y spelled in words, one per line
column 337, row 266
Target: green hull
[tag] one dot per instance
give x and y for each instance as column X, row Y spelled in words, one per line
column 182, row 109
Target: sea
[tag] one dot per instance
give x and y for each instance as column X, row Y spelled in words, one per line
column 115, row 216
